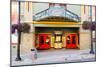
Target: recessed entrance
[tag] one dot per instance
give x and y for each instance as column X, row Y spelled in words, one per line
column 56, row 38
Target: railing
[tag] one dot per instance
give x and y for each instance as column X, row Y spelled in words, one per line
column 47, row 13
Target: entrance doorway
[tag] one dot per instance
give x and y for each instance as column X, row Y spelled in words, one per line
column 56, row 38
column 71, row 40
column 44, row 41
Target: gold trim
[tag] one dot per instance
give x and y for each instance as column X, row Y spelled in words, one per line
column 44, row 33
column 84, row 32
column 58, row 23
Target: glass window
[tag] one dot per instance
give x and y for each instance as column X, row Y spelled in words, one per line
column 22, row 11
column 68, row 40
column 41, row 40
column 73, row 40
column 47, row 40
column 58, row 38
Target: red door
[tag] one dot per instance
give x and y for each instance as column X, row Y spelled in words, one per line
column 71, row 41
column 44, row 41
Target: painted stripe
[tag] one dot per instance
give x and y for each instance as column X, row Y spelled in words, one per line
column 84, row 9
column 27, row 6
column 91, row 13
column 88, row 11
column 95, row 13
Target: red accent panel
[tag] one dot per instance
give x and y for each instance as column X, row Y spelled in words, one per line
column 71, row 44
column 51, row 4
column 44, row 45
column 62, row 4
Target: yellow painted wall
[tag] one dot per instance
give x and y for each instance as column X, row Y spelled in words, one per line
column 26, row 42
column 85, row 40
column 52, row 41
column 64, row 41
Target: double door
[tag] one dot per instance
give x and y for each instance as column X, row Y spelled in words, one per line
column 44, row 41
column 71, row 40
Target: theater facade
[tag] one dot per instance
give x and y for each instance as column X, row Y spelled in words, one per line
column 55, row 26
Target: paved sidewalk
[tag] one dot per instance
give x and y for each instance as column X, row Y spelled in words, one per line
column 57, row 56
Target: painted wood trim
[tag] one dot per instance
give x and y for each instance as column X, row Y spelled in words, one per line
column 58, row 23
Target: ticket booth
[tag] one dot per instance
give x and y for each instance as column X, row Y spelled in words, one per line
column 71, row 40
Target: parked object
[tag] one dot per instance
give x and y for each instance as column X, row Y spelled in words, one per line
column 33, row 54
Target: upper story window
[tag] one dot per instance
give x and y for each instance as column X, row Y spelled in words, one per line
column 22, row 10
